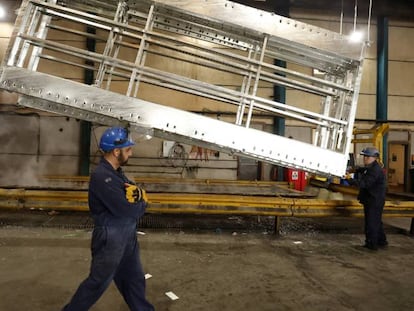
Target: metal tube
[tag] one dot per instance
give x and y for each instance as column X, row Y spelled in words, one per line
column 40, row 33
column 141, row 55
column 256, row 82
column 35, row 16
column 174, row 78
column 245, row 87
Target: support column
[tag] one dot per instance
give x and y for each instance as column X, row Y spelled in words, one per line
column 85, row 126
column 276, row 230
column 382, row 78
column 279, row 92
column 279, row 95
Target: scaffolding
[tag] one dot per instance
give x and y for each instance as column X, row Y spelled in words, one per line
column 155, row 42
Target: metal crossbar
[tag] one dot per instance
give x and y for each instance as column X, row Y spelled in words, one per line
column 155, row 42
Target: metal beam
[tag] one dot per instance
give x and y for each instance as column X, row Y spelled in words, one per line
column 174, row 203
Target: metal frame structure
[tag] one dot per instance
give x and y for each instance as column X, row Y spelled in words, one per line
column 142, row 40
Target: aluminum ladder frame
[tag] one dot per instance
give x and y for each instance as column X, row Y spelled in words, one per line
column 222, row 36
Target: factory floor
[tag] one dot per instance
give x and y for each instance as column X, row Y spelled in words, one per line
column 314, row 264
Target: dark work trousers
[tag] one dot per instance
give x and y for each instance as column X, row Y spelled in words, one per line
column 374, row 231
column 115, row 256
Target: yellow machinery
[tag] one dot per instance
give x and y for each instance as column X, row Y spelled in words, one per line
column 373, row 137
column 376, row 137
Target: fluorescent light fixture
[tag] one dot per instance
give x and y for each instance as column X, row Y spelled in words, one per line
column 2, row 12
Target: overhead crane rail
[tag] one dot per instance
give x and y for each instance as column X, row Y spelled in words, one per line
column 156, row 42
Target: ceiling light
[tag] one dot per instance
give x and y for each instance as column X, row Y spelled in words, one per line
column 2, row 12
column 356, row 36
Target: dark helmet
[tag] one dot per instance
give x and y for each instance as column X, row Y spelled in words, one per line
column 370, row 152
column 115, row 137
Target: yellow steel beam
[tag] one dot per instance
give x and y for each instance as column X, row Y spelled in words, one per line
column 159, row 180
column 176, row 185
column 174, row 203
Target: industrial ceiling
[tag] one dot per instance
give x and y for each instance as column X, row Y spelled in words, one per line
column 401, row 10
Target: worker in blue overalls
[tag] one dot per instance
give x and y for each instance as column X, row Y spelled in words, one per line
column 116, row 204
column 371, row 182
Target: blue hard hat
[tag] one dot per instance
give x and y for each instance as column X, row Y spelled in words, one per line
column 370, row 152
column 115, row 137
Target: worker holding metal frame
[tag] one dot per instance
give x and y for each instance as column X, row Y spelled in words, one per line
column 371, row 182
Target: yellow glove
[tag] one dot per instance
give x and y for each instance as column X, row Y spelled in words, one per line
column 135, row 194
column 349, row 176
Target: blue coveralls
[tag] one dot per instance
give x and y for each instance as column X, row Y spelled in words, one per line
column 115, row 249
column 371, row 182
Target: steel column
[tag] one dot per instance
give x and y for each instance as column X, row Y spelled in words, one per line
column 382, row 77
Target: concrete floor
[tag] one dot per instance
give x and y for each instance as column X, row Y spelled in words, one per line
column 313, row 265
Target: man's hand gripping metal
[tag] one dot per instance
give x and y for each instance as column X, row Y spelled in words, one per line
column 135, row 194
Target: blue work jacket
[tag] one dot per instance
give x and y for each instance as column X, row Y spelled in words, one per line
column 107, row 197
column 372, row 187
